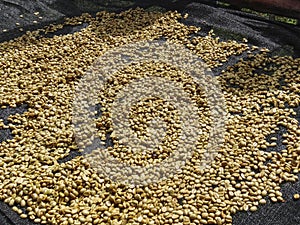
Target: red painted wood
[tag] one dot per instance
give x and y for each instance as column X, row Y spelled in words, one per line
column 290, row 8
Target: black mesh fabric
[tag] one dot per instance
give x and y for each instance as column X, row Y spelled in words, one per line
column 281, row 39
